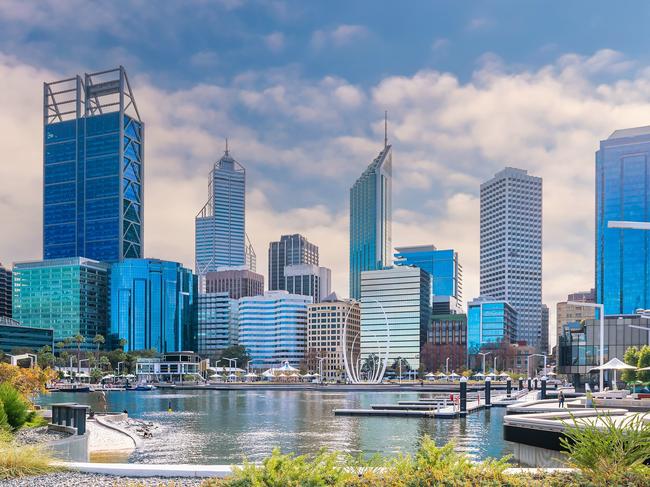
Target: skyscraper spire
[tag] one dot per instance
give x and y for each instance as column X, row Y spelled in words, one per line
column 385, row 128
column 226, row 145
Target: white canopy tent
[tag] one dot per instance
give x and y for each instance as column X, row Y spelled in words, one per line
column 614, row 364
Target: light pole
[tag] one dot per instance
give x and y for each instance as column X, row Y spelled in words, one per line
column 320, row 369
column 528, row 362
column 230, row 361
column 495, row 365
column 79, row 364
column 601, row 309
column 484, row 355
column 118, row 367
column 447, row 366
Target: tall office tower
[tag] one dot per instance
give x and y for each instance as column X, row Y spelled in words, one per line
column 398, row 297
column 623, row 194
column 238, row 282
column 67, row 295
column 545, row 332
column 511, row 247
column 308, row 280
column 218, row 323
column 446, row 345
column 220, row 226
column 370, row 219
column 273, row 328
column 325, row 325
column 5, row 291
column 489, row 321
column 446, row 275
column 568, row 313
column 153, row 305
column 93, row 161
column 289, row 250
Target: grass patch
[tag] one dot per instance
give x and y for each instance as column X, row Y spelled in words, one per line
column 21, row 461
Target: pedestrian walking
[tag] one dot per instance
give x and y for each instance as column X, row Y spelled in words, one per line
column 560, row 399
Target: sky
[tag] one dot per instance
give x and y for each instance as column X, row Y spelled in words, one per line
column 300, row 88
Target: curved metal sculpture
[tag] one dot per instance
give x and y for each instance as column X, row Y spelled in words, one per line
column 353, row 371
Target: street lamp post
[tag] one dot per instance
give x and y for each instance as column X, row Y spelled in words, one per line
column 528, row 362
column 447, row 366
column 484, row 355
column 118, row 367
column 601, row 309
column 320, row 369
column 495, row 365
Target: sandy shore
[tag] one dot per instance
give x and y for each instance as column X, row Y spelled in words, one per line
column 108, row 444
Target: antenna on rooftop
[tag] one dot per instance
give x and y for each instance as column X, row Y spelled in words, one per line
column 226, row 145
column 385, row 128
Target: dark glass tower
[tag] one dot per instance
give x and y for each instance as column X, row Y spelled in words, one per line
column 93, row 164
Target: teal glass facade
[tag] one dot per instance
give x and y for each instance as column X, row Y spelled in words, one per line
column 489, row 322
column 623, row 193
column 443, row 266
column 17, row 337
column 218, row 323
column 370, row 220
column 93, row 158
column 153, row 305
column 66, row 295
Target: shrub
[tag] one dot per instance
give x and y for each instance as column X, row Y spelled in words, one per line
column 16, row 407
column 611, row 454
column 4, row 423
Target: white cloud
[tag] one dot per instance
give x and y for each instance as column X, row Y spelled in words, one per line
column 204, row 59
column 440, row 45
column 275, row 41
column 339, row 36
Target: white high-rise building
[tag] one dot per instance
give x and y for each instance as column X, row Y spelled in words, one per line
column 308, row 280
column 511, row 247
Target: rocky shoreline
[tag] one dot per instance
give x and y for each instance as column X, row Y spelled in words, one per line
column 77, row 479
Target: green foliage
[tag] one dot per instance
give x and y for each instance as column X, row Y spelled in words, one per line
column 4, row 422
column 608, row 455
column 236, row 351
column 644, row 361
column 15, row 406
column 24, row 460
column 631, row 357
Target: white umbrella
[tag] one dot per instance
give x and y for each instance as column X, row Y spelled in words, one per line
column 441, row 375
column 614, row 364
column 479, row 375
column 251, row 374
column 108, row 376
column 644, row 368
column 453, row 375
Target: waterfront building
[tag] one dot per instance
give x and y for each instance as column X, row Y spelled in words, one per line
column 289, row 250
column 153, row 305
column 622, row 194
column 578, row 347
column 218, row 323
column 237, row 281
column 400, row 296
column 308, row 280
column 5, row 292
column 489, row 320
column 446, row 339
column 273, row 328
column 14, row 336
column 170, row 367
column 220, row 226
column 325, row 325
column 567, row 313
column 93, row 164
column 67, row 295
column 511, row 247
column 544, row 347
column 446, row 275
column 370, row 219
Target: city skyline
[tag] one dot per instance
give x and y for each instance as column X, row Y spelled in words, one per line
column 439, row 163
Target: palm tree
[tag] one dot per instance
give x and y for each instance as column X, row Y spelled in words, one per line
column 79, row 339
column 122, row 343
column 98, row 340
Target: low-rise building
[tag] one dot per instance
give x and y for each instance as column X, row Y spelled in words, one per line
column 446, row 345
column 489, row 320
column 14, row 336
column 325, row 326
column 171, row 367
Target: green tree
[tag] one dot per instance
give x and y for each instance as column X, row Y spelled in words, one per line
column 79, row 340
column 370, row 364
column 122, row 343
column 238, row 352
column 45, row 357
column 104, row 362
column 631, row 357
column 99, row 340
column 404, row 363
column 644, row 361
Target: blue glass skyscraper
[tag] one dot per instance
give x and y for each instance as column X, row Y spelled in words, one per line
column 370, row 219
column 623, row 193
column 93, row 159
column 220, row 226
column 489, row 321
column 445, row 270
column 153, row 305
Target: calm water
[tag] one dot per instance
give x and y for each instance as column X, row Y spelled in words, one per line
column 222, row 427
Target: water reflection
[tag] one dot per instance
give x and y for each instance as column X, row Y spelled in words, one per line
column 222, row 427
